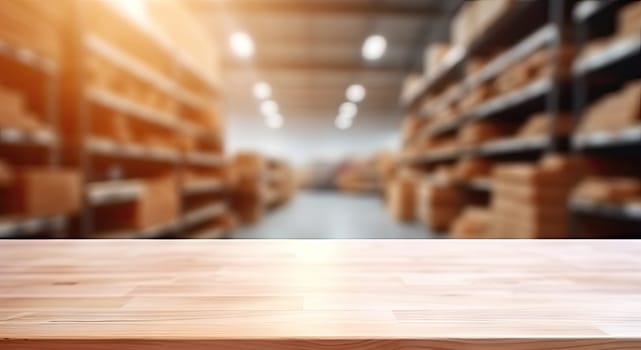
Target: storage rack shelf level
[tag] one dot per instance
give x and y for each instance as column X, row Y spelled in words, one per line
column 14, row 140
column 541, row 26
column 596, row 74
column 163, row 137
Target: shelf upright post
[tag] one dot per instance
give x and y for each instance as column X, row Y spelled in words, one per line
column 83, row 117
column 579, row 98
column 553, row 98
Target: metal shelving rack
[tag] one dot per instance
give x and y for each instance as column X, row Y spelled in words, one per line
column 546, row 31
column 619, row 58
column 45, row 140
column 526, row 27
column 125, row 159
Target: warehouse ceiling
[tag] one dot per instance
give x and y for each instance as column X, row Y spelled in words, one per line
column 310, row 52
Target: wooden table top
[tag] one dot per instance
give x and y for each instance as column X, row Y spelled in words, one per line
column 446, row 295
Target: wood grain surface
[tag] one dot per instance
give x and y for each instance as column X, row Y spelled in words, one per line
column 445, row 295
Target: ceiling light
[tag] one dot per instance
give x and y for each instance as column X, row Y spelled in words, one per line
column 269, row 108
column 355, row 93
column 348, row 110
column 274, row 121
column 262, row 90
column 374, row 47
column 343, row 123
column 241, row 44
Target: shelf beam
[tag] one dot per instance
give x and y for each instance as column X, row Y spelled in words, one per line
column 344, row 8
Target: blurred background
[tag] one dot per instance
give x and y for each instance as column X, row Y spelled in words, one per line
column 320, row 119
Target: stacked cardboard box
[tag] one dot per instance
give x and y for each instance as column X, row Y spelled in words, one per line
column 411, row 86
column 433, row 57
column 248, row 186
column 158, row 204
column 614, row 112
column 33, row 24
column 40, row 191
column 629, row 20
column 472, row 168
column 477, row 133
column 438, row 203
column 6, row 174
column 401, row 196
column 530, row 200
column 475, row 18
column 14, row 113
column 541, row 124
column 476, row 97
column 610, row 190
column 475, row 222
column 411, row 127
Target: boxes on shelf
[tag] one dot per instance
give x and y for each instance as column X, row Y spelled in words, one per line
column 6, row 174
column 411, row 86
column 476, row 97
column 530, row 200
column 437, row 203
column 157, row 205
column 475, row 17
column 33, row 24
column 471, row 168
column 411, row 126
column 14, row 112
column 477, row 133
column 629, row 21
column 474, row 222
column 433, row 57
column 401, row 196
column 614, row 112
column 541, row 124
column 611, row 190
column 42, row 192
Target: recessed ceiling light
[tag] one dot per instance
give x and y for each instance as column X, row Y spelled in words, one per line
column 348, row 110
column 269, row 108
column 241, row 44
column 343, row 123
column 274, row 121
column 355, row 93
column 262, row 90
column 374, row 47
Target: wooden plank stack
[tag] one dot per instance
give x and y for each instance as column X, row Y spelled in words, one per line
column 530, row 200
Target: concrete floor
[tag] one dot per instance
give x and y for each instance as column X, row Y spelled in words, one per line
column 331, row 215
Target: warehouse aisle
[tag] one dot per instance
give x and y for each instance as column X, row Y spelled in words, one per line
column 331, row 215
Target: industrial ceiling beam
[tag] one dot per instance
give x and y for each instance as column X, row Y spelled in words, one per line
column 266, row 65
column 325, row 8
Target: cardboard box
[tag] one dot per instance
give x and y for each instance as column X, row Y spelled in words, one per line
column 542, row 195
column 608, row 190
column 508, row 227
column 411, row 126
column 471, row 168
column 437, row 204
column 550, row 172
column 402, row 198
column 474, row 222
column 159, row 204
column 478, row 133
column 6, row 174
column 541, row 124
column 476, row 17
column 43, row 192
column 433, row 57
column 438, row 219
column 614, row 112
column 629, row 20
